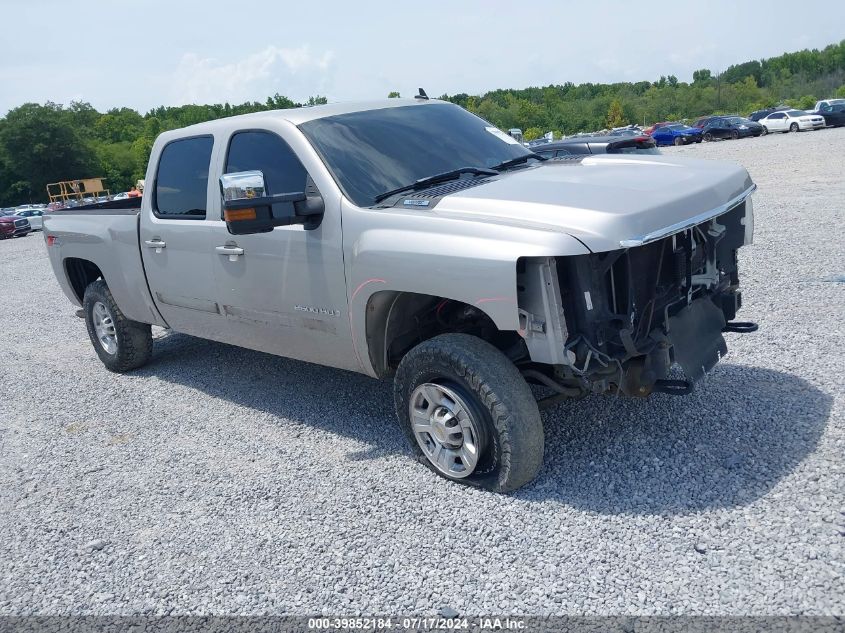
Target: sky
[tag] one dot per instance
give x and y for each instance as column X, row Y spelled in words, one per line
column 148, row 53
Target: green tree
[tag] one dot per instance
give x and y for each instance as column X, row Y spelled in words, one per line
column 38, row 146
column 841, row 91
column 701, row 76
column 393, row 95
column 615, row 115
column 532, row 133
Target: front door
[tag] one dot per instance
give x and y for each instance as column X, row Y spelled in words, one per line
column 176, row 239
column 283, row 291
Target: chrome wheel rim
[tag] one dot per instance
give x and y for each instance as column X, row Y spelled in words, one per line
column 104, row 327
column 445, row 430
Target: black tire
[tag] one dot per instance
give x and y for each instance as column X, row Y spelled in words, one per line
column 794, row 128
column 134, row 340
column 708, row 137
column 765, row 131
column 734, row 135
column 679, row 141
column 500, row 401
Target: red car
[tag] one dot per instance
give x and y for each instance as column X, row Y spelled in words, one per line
column 13, row 226
column 650, row 130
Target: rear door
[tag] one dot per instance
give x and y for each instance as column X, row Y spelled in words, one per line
column 176, row 238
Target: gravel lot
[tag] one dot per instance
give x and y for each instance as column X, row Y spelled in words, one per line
column 219, row 480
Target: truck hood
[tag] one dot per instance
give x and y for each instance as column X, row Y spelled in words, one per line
column 605, row 201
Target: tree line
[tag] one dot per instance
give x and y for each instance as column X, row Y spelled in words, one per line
column 46, row 143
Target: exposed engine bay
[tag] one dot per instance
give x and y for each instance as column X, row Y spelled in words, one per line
column 617, row 321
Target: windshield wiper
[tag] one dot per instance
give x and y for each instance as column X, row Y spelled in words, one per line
column 422, row 183
column 517, row 161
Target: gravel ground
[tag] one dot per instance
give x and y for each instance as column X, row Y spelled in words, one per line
column 218, row 480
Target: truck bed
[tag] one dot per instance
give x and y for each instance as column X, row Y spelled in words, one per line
column 107, row 235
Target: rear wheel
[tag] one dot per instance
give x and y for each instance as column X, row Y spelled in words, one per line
column 765, row 130
column 708, row 137
column 679, row 140
column 468, row 413
column 121, row 344
column 734, row 135
column 793, row 127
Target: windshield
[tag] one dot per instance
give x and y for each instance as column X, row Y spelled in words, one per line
column 676, row 126
column 796, row 112
column 375, row 151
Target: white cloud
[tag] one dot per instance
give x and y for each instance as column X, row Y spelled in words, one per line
column 292, row 72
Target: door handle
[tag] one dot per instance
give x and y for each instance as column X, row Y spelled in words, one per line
column 232, row 251
column 156, row 244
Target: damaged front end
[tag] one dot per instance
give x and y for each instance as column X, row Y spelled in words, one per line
column 617, row 321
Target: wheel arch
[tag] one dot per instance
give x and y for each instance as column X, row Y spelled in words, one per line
column 396, row 321
column 80, row 273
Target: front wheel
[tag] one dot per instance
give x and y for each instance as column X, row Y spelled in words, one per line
column 765, row 131
column 679, row 141
column 708, row 137
column 734, row 135
column 121, row 344
column 468, row 413
column 793, row 127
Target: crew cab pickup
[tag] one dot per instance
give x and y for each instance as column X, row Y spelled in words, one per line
column 410, row 239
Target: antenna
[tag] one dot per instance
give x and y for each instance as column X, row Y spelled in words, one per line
column 421, row 95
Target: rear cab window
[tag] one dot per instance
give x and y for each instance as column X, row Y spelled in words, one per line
column 181, row 185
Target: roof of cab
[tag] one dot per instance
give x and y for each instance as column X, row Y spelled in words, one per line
column 298, row 116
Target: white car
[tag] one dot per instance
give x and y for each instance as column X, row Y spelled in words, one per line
column 35, row 217
column 791, row 121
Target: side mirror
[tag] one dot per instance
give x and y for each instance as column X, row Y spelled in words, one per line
column 248, row 209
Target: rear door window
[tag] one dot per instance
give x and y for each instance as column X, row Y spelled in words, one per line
column 181, row 186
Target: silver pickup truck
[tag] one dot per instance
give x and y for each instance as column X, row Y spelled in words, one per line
column 411, row 239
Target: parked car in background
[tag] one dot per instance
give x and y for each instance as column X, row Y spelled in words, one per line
column 759, row 114
column 792, row 121
column 677, row 134
column 826, row 103
column 597, row 145
column 628, row 130
column 739, row 121
column 700, row 122
column 704, row 120
column 13, row 226
column 35, row 217
column 650, row 130
column 834, row 115
column 725, row 127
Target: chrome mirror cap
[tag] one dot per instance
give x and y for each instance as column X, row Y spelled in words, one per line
column 242, row 185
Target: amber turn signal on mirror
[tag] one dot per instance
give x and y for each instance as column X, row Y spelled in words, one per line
column 234, row 215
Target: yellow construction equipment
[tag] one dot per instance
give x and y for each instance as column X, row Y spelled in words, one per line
column 79, row 189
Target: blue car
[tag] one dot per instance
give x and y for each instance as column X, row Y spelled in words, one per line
column 676, row 134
